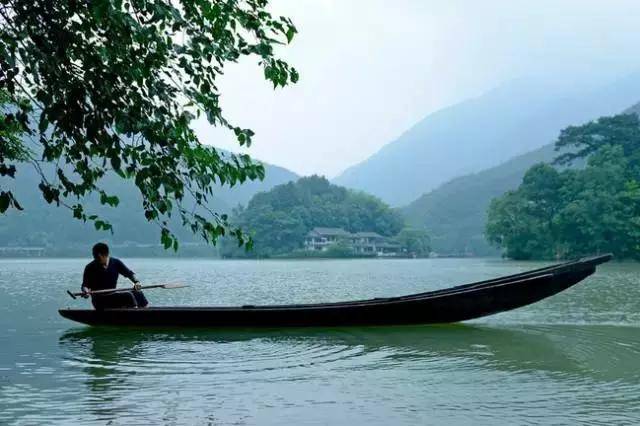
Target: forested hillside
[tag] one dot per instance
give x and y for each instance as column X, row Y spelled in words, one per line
column 575, row 212
column 455, row 213
column 279, row 219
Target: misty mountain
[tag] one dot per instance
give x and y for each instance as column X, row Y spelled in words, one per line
column 455, row 213
column 635, row 109
column 41, row 224
column 480, row 133
column 241, row 194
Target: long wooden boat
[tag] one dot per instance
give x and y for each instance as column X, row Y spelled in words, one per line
column 449, row 305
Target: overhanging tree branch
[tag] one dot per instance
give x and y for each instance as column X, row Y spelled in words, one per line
column 116, row 92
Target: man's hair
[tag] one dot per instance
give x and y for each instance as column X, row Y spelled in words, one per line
column 100, row 248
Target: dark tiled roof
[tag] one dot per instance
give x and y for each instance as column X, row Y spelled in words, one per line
column 337, row 232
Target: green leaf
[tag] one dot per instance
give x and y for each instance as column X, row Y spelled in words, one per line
column 295, row 77
column 5, row 201
column 165, row 238
column 291, row 31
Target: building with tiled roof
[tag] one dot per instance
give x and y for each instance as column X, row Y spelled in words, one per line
column 362, row 243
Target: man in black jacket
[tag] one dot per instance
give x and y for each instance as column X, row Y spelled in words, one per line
column 102, row 274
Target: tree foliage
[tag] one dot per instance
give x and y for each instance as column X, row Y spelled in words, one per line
column 574, row 212
column 113, row 85
column 578, row 142
column 279, row 220
column 415, row 241
column 11, row 149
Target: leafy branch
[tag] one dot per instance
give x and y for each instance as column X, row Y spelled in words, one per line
column 112, row 86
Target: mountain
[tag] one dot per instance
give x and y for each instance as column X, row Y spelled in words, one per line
column 480, row 133
column 634, row 109
column 241, row 194
column 41, row 224
column 455, row 213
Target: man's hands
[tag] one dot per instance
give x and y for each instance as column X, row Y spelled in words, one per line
column 137, row 286
column 85, row 292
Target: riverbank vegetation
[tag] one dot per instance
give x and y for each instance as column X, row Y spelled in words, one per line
column 560, row 212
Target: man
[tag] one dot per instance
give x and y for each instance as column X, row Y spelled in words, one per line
column 102, row 274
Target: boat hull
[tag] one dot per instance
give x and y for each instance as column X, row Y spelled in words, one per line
column 445, row 306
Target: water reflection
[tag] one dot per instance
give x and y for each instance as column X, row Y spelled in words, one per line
column 99, row 357
column 109, row 356
column 205, row 376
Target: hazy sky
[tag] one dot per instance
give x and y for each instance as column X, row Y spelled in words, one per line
column 371, row 68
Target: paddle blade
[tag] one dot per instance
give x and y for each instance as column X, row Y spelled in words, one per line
column 170, row 286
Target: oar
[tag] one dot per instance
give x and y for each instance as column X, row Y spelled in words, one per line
column 119, row 290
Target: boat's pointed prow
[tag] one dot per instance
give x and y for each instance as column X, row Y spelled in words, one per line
column 79, row 315
column 597, row 260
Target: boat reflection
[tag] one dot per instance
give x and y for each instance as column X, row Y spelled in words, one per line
column 596, row 351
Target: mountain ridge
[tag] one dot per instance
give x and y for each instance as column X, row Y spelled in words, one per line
column 479, row 133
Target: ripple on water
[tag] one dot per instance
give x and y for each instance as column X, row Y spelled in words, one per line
column 569, row 359
column 595, row 350
column 163, row 354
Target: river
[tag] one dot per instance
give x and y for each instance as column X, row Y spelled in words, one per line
column 573, row 358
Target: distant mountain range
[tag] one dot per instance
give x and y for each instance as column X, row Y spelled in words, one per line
column 41, row 224
column 455, row 213
column 480, row 133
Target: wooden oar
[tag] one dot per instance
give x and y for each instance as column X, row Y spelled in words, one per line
column 119, row 290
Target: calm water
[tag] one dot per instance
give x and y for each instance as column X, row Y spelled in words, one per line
column 574, row 358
